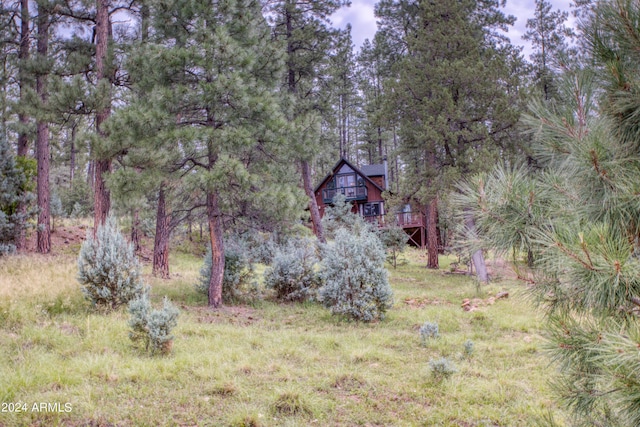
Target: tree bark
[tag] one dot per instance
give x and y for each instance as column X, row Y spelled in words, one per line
column 432, row 234
column 217, row 250
column 23, row 55
column 477, row 257
column 102, row 197
column 161, row 242
column 42, row 142
column 23, row 139
column 316, row 221
column 135, row 229
column 72, row 154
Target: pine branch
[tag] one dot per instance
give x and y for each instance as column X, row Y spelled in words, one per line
column 574, row 256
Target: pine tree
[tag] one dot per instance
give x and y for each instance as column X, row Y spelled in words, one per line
column 547, row 33
column 13, row 184
column 211, row 109
column 302, row 26
column 23, row 119
column 42, row 135
column 580, row 217
column 373, row 70
column 453, row 97
column 102, row 165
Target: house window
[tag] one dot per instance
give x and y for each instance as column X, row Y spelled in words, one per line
column 348, row 180
column 371, row 209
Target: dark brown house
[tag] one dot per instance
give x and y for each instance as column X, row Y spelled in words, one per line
column 364, row 187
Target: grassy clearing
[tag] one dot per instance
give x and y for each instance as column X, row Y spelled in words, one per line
column 268, row 364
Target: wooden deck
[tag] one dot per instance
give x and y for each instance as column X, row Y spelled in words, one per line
column 413, row 223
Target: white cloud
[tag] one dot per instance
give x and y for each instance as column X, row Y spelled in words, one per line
column 363, row 22
column 360, row 16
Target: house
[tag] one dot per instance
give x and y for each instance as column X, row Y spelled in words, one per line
column 364, row 187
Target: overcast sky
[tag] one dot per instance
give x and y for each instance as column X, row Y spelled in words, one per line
column 363, row 23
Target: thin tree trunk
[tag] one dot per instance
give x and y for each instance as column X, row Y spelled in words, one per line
column 305, row 168
column 102, row 197
column 72, row 159
column 432, row 234
column 217, row 250
column 316, row 221
column 343, row 119
column 161, row 242
column 42, row 144
column 477, row 257
column 23, row 56
column 396, row 180
column 135, row 229
column 23, row 139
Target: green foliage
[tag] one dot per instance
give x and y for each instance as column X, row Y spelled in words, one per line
column 108, row 269
column 356, row 282
column 548, row 36
column 339, row 215
column 450, row 127
column 512, row 212
column 579, row 215
column 14, row 189
column 468, row 349
column 292, row 274
column 150, row 327
column 77, row 199
column 442, row 369
column 238, row 271
column 428, row 331
column 29, row 167
column 262, row 247
column 394, row 239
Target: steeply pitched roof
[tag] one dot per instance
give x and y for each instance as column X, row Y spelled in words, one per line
column 357, row 170
column 373, row 170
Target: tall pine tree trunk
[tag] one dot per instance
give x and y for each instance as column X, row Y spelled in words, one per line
column 214, row 218
column 161, row 242
column 316, row 221
column 102, row 197
column 432, row 234
column 305, row 169
column 42, row 142
column 23, row 139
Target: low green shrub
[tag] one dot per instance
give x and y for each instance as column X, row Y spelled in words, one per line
column 429, row 330
column 292, row 274
column 238, row 272
column 468, row 348
column 442, row 369
column 108, row 269
column 151, row 328
column 356, row 282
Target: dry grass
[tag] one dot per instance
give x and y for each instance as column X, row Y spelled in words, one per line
column 268, row 364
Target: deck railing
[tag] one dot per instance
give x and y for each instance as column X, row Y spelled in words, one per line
column 403, row 219
column 411, row 219
column 356, row 192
